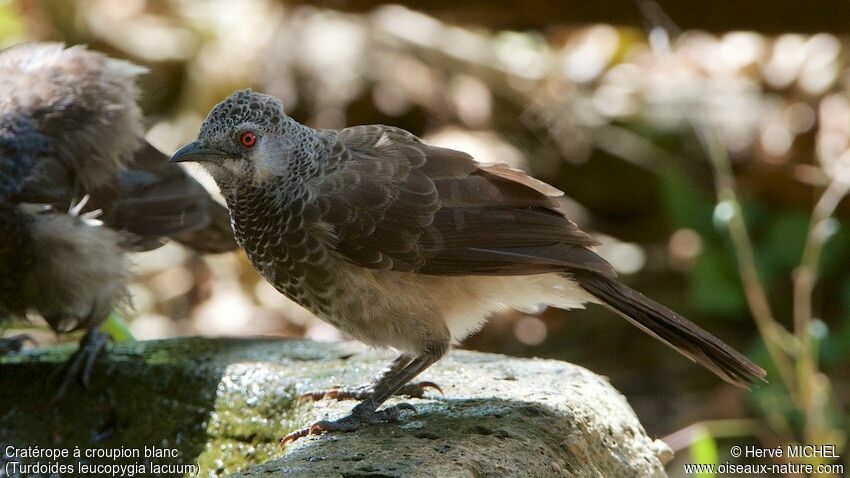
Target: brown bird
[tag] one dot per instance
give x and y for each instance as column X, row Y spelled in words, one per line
column 405, row 245
column 79, row 187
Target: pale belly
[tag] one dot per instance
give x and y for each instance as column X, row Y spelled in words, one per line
column 405, row 310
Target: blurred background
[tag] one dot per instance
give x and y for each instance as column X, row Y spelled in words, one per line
column 707, row 145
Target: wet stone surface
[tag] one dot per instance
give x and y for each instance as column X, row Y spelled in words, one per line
column 224, row 404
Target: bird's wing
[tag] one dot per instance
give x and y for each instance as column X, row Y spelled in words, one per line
column 84, row 103
column 157, row 199
column 395, row 203
column 151, row 198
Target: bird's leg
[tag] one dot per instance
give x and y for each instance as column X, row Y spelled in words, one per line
column 80, row 364
column 14, row 344
column 367, row 410
column 415, row 390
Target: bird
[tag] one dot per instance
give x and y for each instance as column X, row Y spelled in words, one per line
column 80, row 187
column 409, row 246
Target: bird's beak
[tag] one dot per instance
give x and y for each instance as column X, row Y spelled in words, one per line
column 195, row 151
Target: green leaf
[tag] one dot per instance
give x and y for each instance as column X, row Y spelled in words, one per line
column 703, row 450
column 12, row 28
column 117, row 328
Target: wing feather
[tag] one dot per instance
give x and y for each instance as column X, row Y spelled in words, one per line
column 398, row 204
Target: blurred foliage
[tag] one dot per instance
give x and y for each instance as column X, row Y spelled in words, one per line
column 597, row 111
column 117, row 328
column 703, row 449
column 11, row 26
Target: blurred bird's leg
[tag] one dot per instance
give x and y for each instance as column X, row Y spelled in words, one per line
column 367, row 410
column 80, row 364
column 414, row 390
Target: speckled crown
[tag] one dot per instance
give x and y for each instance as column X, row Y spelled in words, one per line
column 244, row 106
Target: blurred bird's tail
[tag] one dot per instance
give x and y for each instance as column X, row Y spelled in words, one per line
column 216, row 236
column 674, row 330
column 159, row 199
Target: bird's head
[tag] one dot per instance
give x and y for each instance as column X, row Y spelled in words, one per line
column 20, row 138
column 21, row 147
column 246, row 136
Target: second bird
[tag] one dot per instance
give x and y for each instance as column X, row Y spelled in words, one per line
column 405, row 245
column 79, row 188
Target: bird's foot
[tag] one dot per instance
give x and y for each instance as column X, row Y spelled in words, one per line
column 80, row 364
column 358, row 417
column 14, row 344
column 412, row 390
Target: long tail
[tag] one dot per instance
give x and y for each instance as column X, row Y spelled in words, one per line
column 673, row 329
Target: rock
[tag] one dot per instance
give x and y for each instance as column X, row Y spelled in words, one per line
column 223, row 404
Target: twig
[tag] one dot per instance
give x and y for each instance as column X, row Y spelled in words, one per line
column 772, row 332
column 805, row 279
column 732, row 428
column 659, row 27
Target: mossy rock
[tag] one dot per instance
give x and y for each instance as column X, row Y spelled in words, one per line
column 223, row 405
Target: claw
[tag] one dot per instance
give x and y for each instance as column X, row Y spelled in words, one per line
column 414, row 390
column 76, row 207
column 292, row 437
column 426, row 385
column 315, row 395
column 351, row 422
column 90, row 217
column 338, row 394
column 394, row 412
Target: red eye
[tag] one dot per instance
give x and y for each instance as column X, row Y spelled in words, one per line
column 248, row 139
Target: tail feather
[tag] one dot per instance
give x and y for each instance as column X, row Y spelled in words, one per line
column 159, row 199
column 674, row 330
column 216, row 237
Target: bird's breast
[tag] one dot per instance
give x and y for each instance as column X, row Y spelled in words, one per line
column 282, row 245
